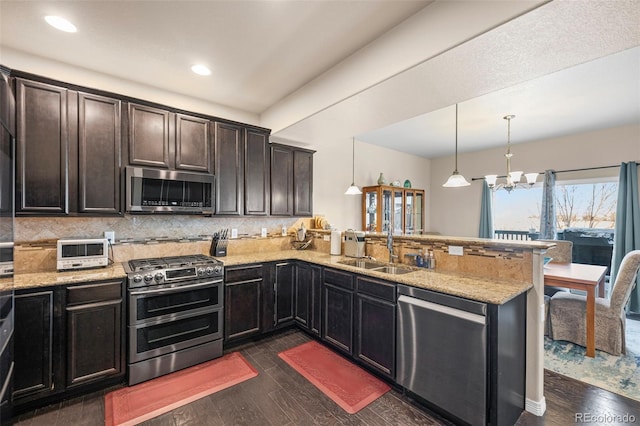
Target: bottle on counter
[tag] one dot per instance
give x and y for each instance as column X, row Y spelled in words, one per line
column 432, row 260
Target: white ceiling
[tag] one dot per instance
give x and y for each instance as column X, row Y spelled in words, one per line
column 536, row 61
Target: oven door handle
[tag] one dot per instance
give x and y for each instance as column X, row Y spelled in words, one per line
column 175, row 289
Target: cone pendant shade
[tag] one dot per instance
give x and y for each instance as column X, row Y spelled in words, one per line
column 353, row 189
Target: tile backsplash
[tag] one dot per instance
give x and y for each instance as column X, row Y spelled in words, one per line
column 137, row 227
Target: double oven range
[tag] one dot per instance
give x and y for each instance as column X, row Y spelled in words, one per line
column 175, row 314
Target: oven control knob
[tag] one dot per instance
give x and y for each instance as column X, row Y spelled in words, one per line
column 137, row 278
column 158, row 277
column 218, row 269
column 200, row 271
column 209, row 270
column 148, row 278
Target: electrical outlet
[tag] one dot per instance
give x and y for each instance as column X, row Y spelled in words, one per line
column 263, row 232
column 234, row 233
column 110, row 236
column 456, row 250
column 326, row 238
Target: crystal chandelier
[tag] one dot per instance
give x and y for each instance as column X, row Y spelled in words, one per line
column 512, row 179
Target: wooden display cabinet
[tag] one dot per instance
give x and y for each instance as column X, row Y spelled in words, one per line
column 401, row 208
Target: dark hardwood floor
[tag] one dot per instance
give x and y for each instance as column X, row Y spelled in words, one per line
column 280, row 396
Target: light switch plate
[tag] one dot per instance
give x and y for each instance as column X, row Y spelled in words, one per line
column 234, row 233
column 326, row 238
column 456, row 250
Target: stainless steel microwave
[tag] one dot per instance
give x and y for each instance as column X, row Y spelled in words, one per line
column 81, row 253
column 166, row 191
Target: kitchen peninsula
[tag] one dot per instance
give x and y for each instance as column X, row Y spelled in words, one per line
column 497, row 273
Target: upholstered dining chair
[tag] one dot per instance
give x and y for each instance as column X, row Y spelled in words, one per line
column 567, row 311
column 561, row 253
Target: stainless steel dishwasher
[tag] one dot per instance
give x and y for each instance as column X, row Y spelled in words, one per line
column 442, row 351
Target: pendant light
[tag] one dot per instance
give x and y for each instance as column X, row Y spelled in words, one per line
column 456, row 179
column 353, row 189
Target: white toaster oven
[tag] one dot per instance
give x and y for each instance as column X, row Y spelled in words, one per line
column 81, row 253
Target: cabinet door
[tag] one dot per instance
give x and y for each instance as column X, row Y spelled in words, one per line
column 94, row 340
column 95, row 332
column 337, row 307
column 149, row 136
column 256, row 173
column 284, row 293
column 243, row 301
column 99, row 127
column 302, row 183
column 315, row 316
column 281, row 180
column 376, row 333
column 42, row 148
column 229, row 168
column 193, row 144
column 33, row 345
column 303, row 295
column 338, row 318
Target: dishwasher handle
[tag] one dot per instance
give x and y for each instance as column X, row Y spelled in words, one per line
column 479, row 319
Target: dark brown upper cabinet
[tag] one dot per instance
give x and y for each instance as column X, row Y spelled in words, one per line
column 291, row 181
column 302, row 183
column 256, row 173
column 193, row 146
column 149, row 136
column 229, row 170
column 161, row 138
column 68, row 151
column 99, row 136
column 42, row 150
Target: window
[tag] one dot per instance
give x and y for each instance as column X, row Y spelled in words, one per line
column 579, row 204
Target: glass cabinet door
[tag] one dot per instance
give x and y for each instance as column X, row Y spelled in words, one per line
column 398, row 209
column 419, row 212
column 387, row 208
column 370, row 209
column 409, row 222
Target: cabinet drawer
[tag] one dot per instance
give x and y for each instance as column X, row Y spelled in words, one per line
column 376, row 288
column 339, row 279
column 243, row 273
column 92, row 293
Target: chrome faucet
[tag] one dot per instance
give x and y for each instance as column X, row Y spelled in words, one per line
column 390, row 244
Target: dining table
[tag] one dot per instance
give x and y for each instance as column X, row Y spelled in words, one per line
column 583, row 277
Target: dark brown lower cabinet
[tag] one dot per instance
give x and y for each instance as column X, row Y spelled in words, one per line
column 68, row 339
column 337, row 302
column 376, row 324
column 94, row 332
column 243, row 301
column 33, row 345
column 283, row 285
column 308, row 297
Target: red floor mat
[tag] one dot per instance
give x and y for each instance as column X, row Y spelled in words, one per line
column 345, row 383
column 135, row 404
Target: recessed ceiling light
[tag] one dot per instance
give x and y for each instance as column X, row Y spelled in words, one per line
column 61, row 24
column 201, row 69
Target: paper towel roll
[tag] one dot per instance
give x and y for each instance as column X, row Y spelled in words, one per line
column 336, row 242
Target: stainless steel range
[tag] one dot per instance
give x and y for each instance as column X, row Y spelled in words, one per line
column 175, row 314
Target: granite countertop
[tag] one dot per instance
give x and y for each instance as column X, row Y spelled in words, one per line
column 476, row 288
column 46, row 279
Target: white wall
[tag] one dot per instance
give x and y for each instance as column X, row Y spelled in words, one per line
column 83, row 77
column 456, row 211
column 332, row 174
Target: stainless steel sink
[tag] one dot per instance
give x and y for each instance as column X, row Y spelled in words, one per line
column 377, row 266
column 361, row 263
column 394, row 270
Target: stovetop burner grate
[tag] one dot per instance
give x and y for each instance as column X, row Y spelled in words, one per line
column 170, row 262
